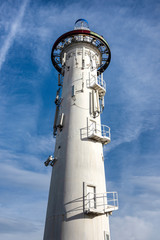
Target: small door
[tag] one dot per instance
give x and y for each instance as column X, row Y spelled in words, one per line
column 95, row 107
column 79, row 86
column 92, row 128
column 91, row 197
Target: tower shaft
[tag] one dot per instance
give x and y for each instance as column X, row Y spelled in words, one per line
column 78, row 205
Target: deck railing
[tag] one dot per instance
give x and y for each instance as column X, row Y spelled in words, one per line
column 101, row 202
column 100, row 130
column 97, row 81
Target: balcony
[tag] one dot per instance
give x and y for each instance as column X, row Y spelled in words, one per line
column 102, row 203
column 98, row 83
column 100, row 133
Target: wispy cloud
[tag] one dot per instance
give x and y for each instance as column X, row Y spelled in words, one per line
column 11, row 228
column 19, row 177
column 12, row 34
column 139, row 203
column 136, row 81
column 147, row 183
column 9, row 225
column 132, row 228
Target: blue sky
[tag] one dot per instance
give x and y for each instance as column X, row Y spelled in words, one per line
column 28, row 84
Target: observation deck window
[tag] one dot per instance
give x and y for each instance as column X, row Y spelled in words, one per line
column 81, row 24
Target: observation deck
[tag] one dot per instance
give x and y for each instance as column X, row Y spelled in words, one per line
column 101, row 203
column 81, row 33
column 98, row 83
column 99, row 133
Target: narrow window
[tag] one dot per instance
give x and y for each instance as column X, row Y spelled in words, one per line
column 106, row 236
column 73, row 91
column 95, row 103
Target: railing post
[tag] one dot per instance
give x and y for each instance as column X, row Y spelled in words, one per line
column 102, row 130
column 93, row 130
column 102, row 79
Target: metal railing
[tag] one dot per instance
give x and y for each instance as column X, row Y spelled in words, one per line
column 101, row 202
column 97, row 81
column 101, row 82
column 100, row 130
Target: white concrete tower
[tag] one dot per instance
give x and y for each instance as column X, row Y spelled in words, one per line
column 78, row 205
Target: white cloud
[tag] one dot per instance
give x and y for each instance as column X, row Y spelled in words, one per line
column 32, row 235
column 41, row 144
column 131, row 228
column 10, row 225
column 19, row 177
column 136, row 82
column 138, row 215
column 11, row 36
column 124, row 136
column 147, row 183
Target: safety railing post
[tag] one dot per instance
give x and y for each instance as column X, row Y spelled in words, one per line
column 89, row 79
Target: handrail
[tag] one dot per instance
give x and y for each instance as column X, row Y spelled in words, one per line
column 102, row 130
column 97, row 80
column 101, row 82
column 92, row 80
column 106, row 203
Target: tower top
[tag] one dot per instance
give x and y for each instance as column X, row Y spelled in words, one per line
column 80, row 34
column 81, row 24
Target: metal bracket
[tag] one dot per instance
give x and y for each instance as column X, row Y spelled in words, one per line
column 50, row 161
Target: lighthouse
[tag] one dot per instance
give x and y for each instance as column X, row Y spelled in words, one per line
column 79, row 205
